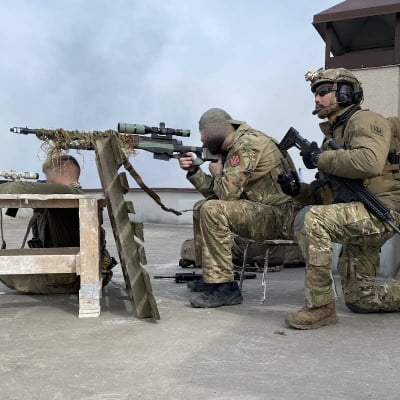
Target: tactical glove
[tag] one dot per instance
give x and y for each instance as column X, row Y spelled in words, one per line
column 290, row 183
column 311, row 156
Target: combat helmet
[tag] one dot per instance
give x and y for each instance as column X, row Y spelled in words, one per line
column 345, row 85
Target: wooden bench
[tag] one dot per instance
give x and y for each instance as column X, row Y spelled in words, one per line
column 83, row 260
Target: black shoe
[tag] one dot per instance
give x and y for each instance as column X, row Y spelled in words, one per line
column 199, row 286
column 221, row 294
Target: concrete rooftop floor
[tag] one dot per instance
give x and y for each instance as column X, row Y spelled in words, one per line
column 239, row 352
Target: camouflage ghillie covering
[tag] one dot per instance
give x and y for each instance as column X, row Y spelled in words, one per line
column 56, row 140
column 53, row 228
column 362, row 235
column 245, row 199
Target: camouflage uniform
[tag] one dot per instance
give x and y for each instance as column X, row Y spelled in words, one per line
column 365, row 138
column 53, row 228
column 245, row 199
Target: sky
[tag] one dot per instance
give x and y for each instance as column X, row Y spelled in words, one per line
column 89, row 64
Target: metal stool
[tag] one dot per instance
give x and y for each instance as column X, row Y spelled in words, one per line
column 271, row 245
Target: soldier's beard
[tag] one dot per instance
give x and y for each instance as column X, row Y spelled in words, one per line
column 326, row 111
column 215, row 145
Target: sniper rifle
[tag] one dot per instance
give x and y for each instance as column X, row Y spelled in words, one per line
column 130, row 136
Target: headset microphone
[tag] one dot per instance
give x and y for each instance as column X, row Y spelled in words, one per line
column 315, row 112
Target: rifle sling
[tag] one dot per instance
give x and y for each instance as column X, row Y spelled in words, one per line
column 128, row 166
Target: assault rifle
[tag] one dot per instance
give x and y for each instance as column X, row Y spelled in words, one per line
column 181, row 277
column 348, row 189
column 131, row 136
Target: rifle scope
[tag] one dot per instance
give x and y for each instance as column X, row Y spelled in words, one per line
column 14, row 175
column 144, row 130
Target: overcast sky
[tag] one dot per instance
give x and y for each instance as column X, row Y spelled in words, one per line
column 89, row 64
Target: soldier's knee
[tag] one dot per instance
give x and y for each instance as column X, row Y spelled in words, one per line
column 210, row 207
column 199, row 204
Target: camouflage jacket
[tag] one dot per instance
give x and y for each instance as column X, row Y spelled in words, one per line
column 365, row 140
column 251, row 167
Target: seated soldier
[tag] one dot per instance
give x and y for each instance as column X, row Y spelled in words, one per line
column 54, row 227
column 241, row 197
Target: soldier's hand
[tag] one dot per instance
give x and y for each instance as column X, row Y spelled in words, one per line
column 216, row 167
column 290, row 183
column 186, row 162
column 311, row 156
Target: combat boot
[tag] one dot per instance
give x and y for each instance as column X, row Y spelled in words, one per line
column 199, row 285
column 220, row 294
column 313, row 318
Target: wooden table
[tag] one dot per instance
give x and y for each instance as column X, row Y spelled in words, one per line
column 83, row 260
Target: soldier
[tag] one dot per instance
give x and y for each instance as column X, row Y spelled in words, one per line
column 242, row 197
column 365, row 138
column 53, row 227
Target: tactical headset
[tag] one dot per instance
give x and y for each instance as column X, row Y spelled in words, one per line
column 346, row 95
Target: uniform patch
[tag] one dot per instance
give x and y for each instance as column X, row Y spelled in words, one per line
column 376, row 129
column 234, row 160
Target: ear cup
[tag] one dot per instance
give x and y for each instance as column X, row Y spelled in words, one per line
column 345, row 95
column 358, row 96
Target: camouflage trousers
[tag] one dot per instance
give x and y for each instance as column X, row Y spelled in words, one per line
column 214, row 221
column 362, row 236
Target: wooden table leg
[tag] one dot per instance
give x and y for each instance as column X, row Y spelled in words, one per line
column 89, row 259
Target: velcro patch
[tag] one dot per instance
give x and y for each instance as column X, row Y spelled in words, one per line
column 234, row 160
column 376, row 129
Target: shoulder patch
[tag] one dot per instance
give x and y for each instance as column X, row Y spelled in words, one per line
column 234, row 160
column 376, row 129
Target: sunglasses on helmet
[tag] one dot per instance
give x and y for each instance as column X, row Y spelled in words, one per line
column 322, row 91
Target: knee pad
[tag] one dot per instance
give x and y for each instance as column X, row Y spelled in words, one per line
column 299, row 220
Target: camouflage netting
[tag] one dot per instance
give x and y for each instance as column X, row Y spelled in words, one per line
column 57, row 140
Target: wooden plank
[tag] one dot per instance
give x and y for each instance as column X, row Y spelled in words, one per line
column 38, row 264
column 90, row 288
column 109, row 159
column 41, row 200
column 40, row 251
